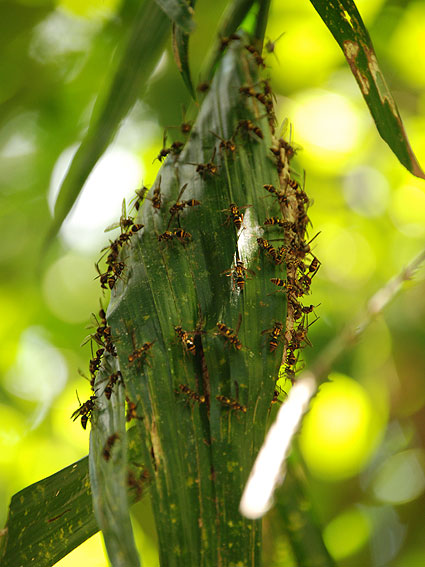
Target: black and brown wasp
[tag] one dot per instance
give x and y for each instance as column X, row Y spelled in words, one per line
column 204, row 169
column 179, row 206
column 113, row 379
column 203, row 87
column 230, row 335
column 230, row 403
column 258, row 59
column 186, row 339
column 275, row 335
column 141, row 352
column 280, row 195
column 164, row 151
column 110, row 442
column 249, row 126
column 270, row 250
column 235, row 215
column 291, row 288
column 156, row 198
column 275, row 221
column 190, row 394
column 84, row 411
column 225, row 145
column 225, row 41
column 131, row 412
column 239, row 274
column 270, row 45
column 177, row 234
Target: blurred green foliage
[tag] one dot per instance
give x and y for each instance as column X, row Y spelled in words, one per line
column 369, row 209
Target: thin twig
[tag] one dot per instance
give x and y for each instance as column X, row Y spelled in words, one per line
column 268, row 471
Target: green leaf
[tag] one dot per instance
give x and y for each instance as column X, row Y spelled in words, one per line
column 108, row 468
column 346, row 25
column 50, row 518
column 180, row 13
column 181, row 56
column 234, row 15
column 202, row 403
column 145, row 44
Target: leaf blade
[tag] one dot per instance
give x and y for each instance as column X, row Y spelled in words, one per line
column 41, row 513
column 346, row 25
column 143, row 49
column 108, row 469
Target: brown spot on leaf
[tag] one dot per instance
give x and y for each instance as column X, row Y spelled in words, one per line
column 351, row 50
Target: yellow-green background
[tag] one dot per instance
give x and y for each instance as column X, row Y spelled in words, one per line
column 363, row 442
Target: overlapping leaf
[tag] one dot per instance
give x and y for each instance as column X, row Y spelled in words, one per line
column 346, row 25
column 202, row 413
column 52, row 517
column 144, row 47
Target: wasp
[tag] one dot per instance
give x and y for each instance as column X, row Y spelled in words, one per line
column 191, row 394
column 204, row 169
column 275, row 335
column 294, row 184
column 186, row 339
column 126, row 224
column 131, row 410
column 178, row 233
column 239, row 274
column 95, row 362
column 203, row 87
column 248, row 91
column 232, row 404
column 140, row 195
column 304, row 247
column 113, row 379
column 270, row 45
column 164, row 151
column 281, row 196
column 185, row 127
column 270, row 250
column 258, row 59
column 299, row 335
column 110, row 442
column 140, row 353
column 230, row 334
column 225, row 145
column 249, row 126
column 182, row 235
column 103, row 278
column 291, row 288
column 84, row 411
column 156, row 198
column 235, row 215
column 225, row 41
column 271, row 221
column 314, row 266
column 180, row 205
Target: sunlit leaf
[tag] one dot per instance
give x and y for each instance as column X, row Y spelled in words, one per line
column 108, row 467
column 144, row 47
column 181, row 56
column 202, row 409
column 52, row 517
column 346, row 25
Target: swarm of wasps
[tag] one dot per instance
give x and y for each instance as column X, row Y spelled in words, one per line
column 292, row 251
